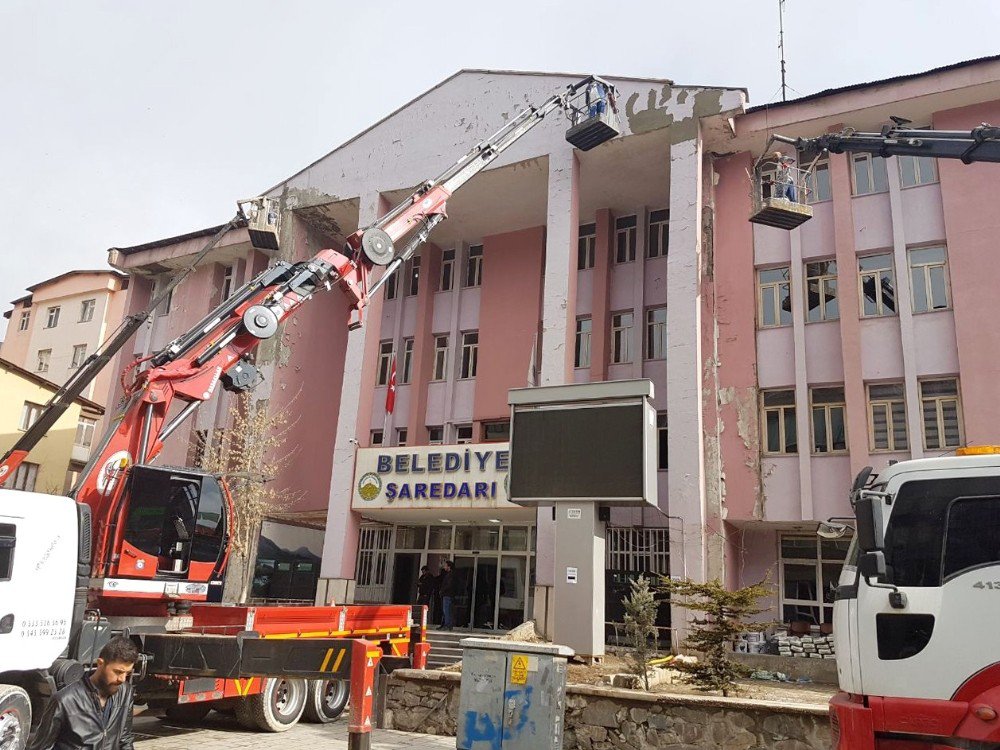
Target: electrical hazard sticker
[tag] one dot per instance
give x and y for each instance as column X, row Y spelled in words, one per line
column 518, row 669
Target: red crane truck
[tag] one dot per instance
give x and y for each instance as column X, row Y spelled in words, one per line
column 137, row 546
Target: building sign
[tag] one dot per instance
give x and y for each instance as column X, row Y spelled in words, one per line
column 436, row 476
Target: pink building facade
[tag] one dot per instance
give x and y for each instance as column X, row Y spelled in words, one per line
column 782, row 362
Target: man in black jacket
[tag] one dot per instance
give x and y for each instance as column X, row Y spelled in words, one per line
column 94, row 713
column 446, row 584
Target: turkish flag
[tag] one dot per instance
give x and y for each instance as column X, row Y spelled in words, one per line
column 390, row 394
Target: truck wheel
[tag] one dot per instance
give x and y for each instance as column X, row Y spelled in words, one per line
column 326, row 700
column 278, row 706
column 15, row 717
column 188, row 713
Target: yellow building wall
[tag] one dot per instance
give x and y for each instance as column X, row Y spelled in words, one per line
column 53, row 451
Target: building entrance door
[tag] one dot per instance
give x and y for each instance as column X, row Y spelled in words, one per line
column 475, row 584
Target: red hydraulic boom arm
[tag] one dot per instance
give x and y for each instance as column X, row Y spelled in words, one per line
column 218, row 350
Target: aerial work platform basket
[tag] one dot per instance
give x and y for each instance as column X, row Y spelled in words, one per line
column 780, row 193
column 594, row 114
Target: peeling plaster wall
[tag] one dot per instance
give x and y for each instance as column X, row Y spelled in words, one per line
column 736, row 353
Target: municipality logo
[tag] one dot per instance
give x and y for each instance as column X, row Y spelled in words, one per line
column 369, row 486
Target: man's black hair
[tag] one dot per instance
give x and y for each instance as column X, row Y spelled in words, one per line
column 121, row 650
column 423, row 568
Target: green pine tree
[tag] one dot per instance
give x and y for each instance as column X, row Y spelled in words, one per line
column 640, row 627
column 725, row 618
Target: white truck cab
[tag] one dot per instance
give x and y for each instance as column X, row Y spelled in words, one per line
column 918, row 604
column 39, row 549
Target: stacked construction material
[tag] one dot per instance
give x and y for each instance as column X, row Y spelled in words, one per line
column 806, row 646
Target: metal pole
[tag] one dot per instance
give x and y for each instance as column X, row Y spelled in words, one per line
column 781, row 45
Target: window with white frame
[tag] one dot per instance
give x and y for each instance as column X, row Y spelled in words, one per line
column 87, row 310
column 407, row 372
column 52, row 316
column 384, row 363
column 392, row 286
column 939, row 402
column 463, row 434
column 625, row 239
column 621, row 338
column 661, row 441
column 30, row 413
column 887, row 417
column 778, row 422
column 658, row 234
column 25, row 320
column 821, row 291
column 24, row 477
column 829, row 422
column 581, row 351
column 44, row 356
column 470, row 354
column 377, row 437
column 447, row 278
column 878, row 285
column 810, row 572
column 401, row 435
column 929, row 278
column 869, row 174
column 474, row 267
column 817, row 183
column 413, row 276
column 85, row 432
column 917, row 170
column 228, row 281
column 435, row 435
column 441, row 357
column 656, row 333
column 586, row 247
column 79, row 356
column 774, row 297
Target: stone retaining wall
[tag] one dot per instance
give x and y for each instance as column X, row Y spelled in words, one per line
column 602, row 718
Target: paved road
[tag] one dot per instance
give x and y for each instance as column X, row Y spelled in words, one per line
column 221, row 733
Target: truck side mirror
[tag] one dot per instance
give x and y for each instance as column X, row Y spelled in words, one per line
column 869, row 521
column 872, row 565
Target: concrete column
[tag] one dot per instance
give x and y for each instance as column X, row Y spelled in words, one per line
column 340, row 543
column 850, row 314
column 639, row 292
column 600, row 328
column 904, row 308
column 803, row 416
column 558, row 323
column 685, row 443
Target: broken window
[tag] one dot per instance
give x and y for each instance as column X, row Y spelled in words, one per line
column 878, row 285
column 821, row 291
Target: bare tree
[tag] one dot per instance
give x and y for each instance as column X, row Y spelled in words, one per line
column 248, row 455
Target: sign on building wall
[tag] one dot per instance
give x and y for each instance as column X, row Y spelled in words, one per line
column 451, row 476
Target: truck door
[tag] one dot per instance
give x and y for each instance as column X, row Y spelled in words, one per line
column 942, row 549
column 38, row 553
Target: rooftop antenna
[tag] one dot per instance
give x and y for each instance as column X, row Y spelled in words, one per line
column 781, row 46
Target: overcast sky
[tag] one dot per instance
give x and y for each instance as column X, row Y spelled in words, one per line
column 127, row 122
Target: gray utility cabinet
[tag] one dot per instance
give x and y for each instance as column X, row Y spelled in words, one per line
column 513, row 695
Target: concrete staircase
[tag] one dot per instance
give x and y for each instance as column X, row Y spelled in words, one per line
column 446, row 648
